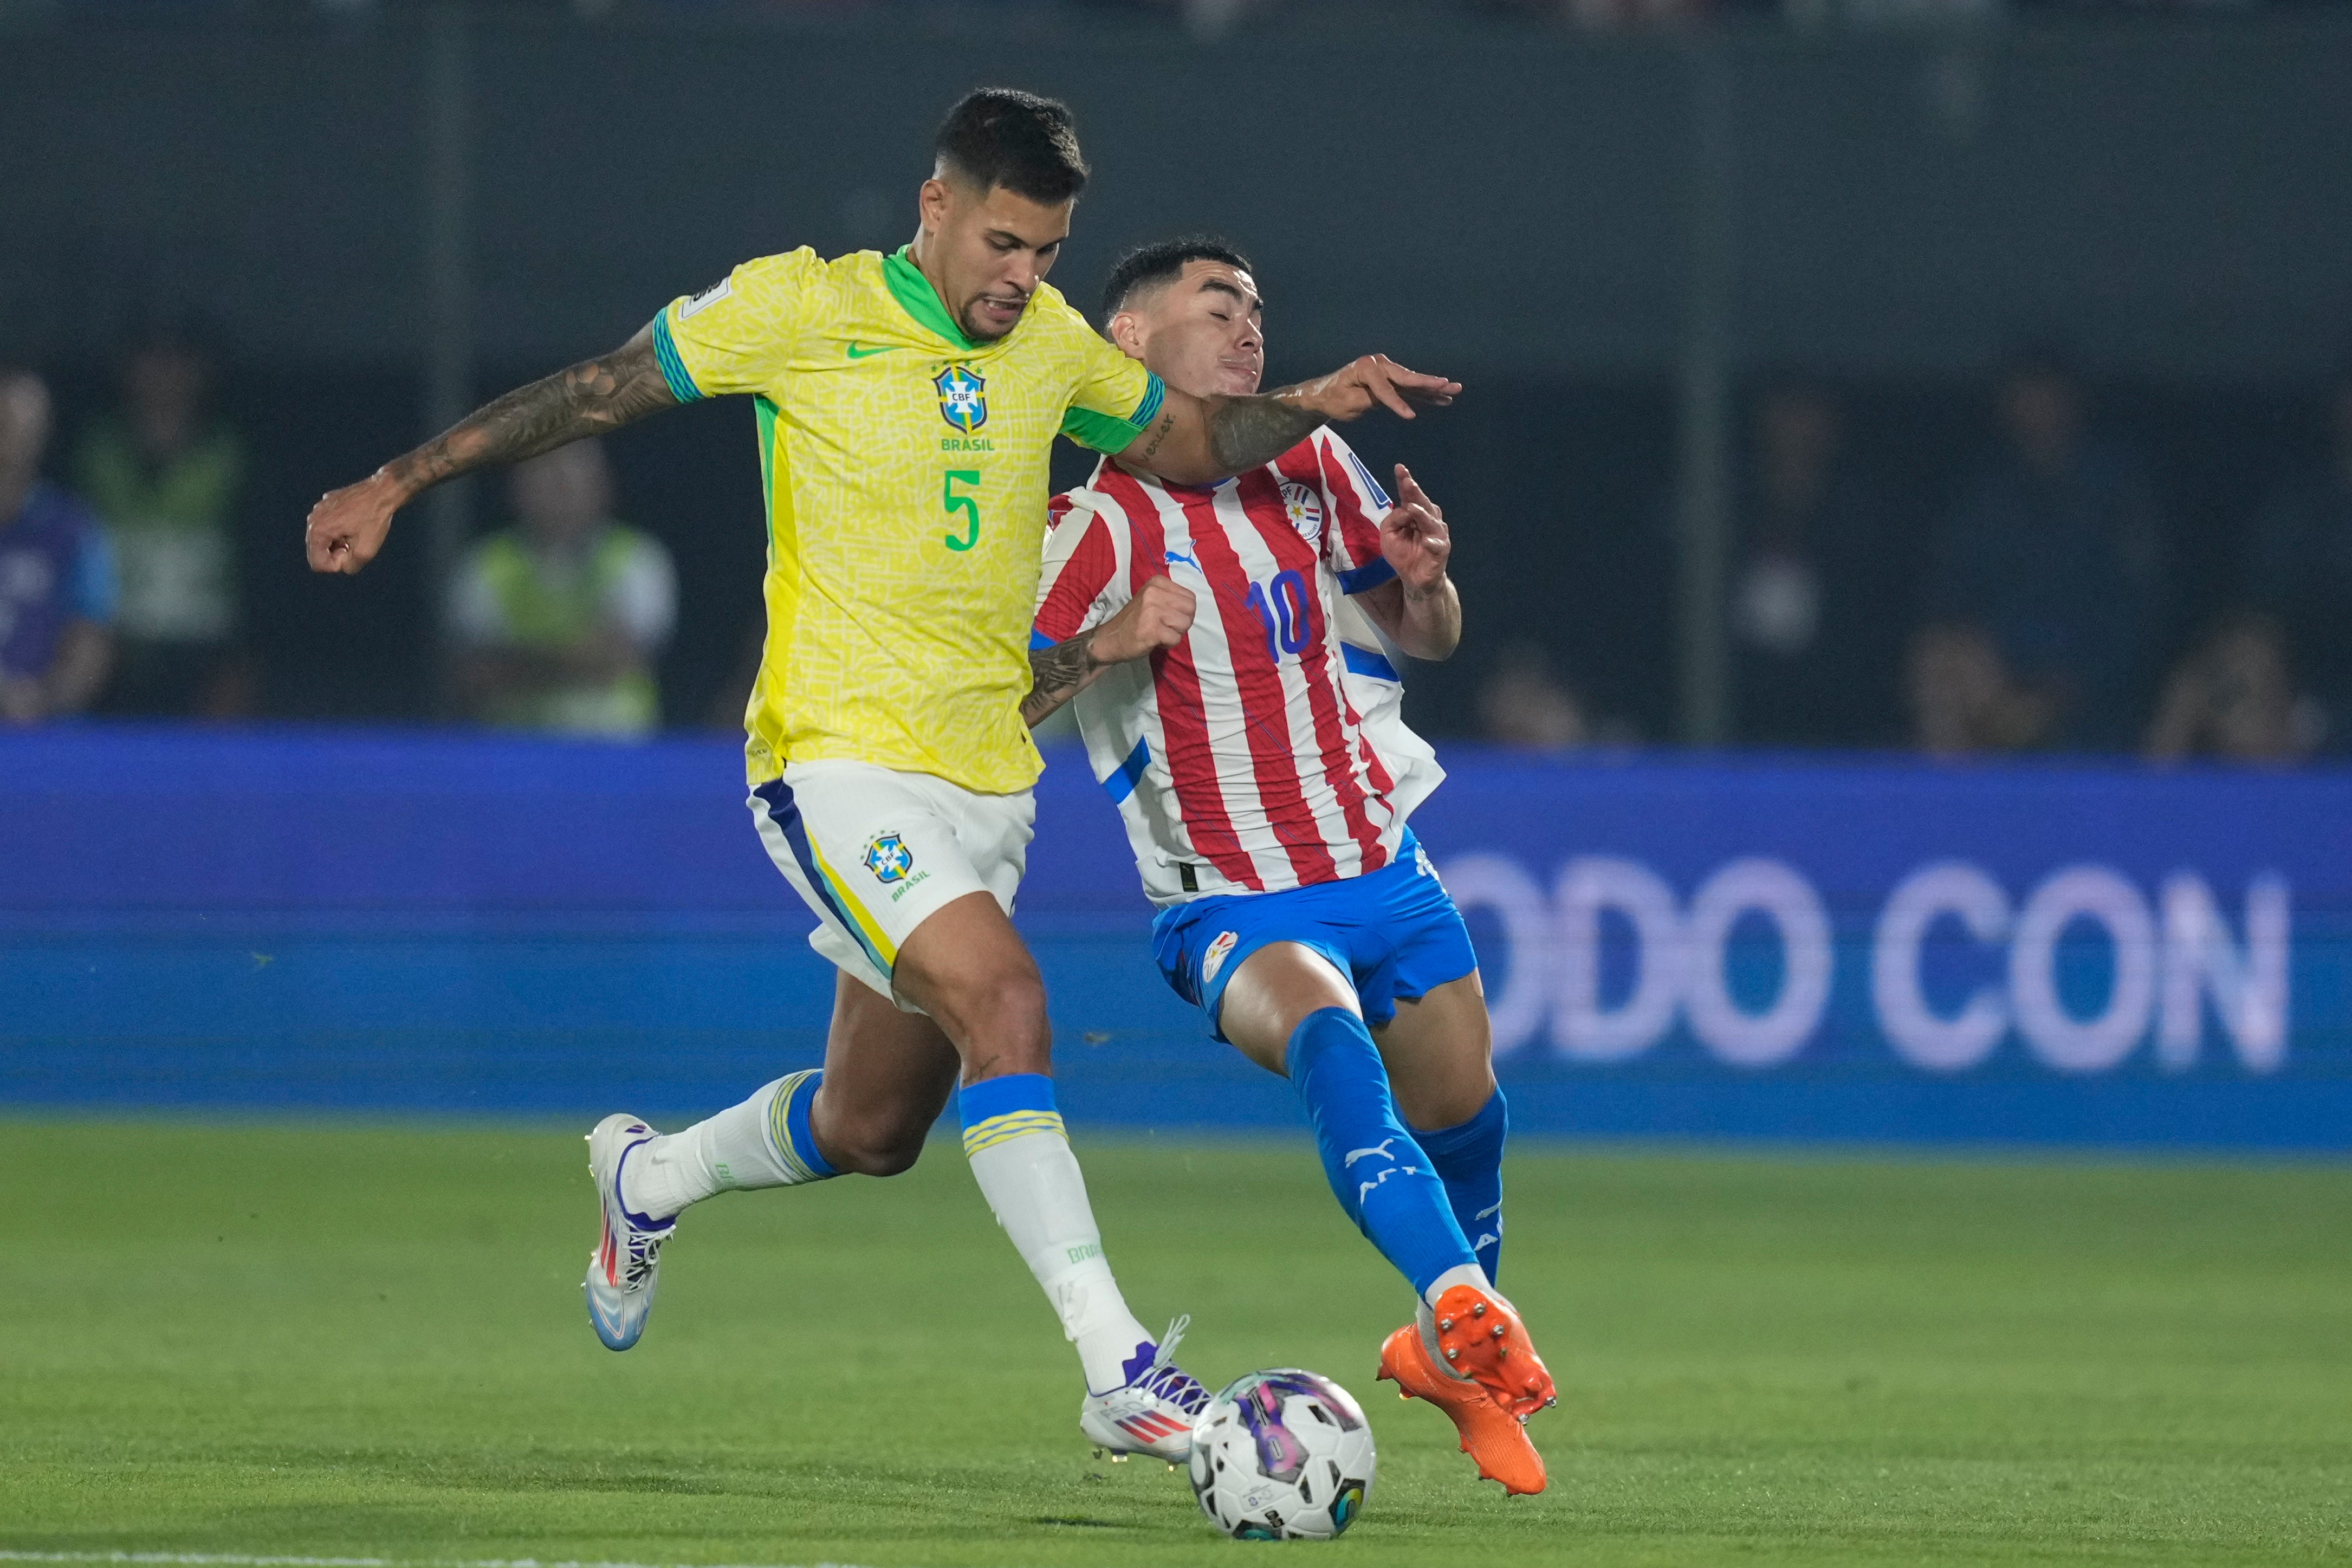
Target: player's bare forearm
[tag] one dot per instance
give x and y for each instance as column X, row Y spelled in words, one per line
column 1157, row 617
column 586, row 399
column 348, row 526
column 1425, row 622
column 1057, row 674
column 1431, row 627
column 1199, row 440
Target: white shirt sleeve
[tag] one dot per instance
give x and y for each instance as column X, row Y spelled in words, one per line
column 1084, row 579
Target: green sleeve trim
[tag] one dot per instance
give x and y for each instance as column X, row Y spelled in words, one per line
column 673, row 368
column 1103, row 433
column 763, row 412
column 1154, row 394
column 1107, row 433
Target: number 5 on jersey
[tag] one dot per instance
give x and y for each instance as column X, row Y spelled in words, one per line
column 966, row 504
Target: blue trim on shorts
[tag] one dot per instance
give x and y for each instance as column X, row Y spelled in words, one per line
column 1395, row 933
column 785, row 812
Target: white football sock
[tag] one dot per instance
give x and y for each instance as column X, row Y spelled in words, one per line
column 1033, row 1185
column 733, row 1150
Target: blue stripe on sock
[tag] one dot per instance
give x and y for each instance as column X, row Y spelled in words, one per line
column 798, row 1132
column 1380, row 1174
column 976, row 1102
column 1469, row 1161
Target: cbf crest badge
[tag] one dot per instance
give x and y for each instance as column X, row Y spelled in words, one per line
column 1305, row 508
column 887, row 857
column 963, row 397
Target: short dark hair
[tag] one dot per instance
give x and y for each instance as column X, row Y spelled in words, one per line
column 1162, row 262
column 1000, row 136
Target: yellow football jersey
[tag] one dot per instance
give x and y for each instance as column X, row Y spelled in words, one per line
column 905, row 467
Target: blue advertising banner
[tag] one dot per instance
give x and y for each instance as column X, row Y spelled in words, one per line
column 1771, row 948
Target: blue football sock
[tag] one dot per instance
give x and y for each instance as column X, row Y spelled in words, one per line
column 1469, row 1161
column 1380, row 1174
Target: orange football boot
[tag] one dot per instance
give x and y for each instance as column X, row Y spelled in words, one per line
column 1478, row 1333
column 1495, row 1440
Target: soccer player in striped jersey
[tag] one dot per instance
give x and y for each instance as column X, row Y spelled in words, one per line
column 1265, row 777
column 904, row 406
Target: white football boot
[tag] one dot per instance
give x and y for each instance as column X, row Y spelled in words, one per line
column 625, row 1266
column 1152, row 1412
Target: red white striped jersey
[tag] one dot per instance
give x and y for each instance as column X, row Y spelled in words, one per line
column 1237, row 759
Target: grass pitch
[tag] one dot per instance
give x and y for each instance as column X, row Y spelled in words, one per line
column 369, row 1342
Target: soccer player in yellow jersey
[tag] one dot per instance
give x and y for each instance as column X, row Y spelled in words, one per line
column 906, row 406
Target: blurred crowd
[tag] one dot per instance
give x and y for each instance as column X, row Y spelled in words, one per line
column 1214, row 17
column 2040, row 610
column 2041, row 605
column 120, row 591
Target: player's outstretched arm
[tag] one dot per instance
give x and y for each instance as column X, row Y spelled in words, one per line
column 1158, row 617
column 1199, row 440
column 1417, row 608
column 348, row 526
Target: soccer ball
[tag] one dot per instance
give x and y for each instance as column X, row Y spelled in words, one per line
column 1282, row 1455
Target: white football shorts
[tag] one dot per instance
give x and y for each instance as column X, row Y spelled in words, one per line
column 875, row 853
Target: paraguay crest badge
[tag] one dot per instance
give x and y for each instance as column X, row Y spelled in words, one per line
column 963, row 397
column 887, row 857
column 1220, row 947
column 1305, row 508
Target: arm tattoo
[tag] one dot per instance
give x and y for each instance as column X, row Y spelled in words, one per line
column 1244, row 432
column 1055, row 676
column 586, row 399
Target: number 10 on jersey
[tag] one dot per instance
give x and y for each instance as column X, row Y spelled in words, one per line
column 1281, row 608
column 967, row 506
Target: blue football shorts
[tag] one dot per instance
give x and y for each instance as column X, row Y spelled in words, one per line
column 1394, row 933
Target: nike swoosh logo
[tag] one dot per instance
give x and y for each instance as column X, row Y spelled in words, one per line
column 858, row 352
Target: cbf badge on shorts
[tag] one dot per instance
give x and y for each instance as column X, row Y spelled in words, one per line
column 887, row 857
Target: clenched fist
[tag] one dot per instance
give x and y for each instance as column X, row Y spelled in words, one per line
column 1158, row 617
column 347, row 527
